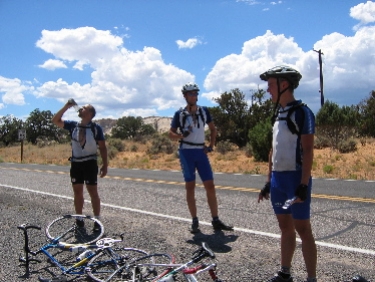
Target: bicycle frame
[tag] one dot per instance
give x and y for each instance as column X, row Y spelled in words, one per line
column 78, row 268
column 190, row 273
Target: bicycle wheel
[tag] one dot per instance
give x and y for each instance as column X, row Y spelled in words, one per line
column 114, row 262
column 68, row 230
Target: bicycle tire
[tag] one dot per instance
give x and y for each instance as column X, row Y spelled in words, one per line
column 107, row 261
column 65, row 230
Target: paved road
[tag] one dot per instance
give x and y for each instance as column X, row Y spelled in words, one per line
column 150, row 207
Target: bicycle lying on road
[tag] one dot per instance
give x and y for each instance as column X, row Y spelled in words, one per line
column 140, row 270
column 64, row 237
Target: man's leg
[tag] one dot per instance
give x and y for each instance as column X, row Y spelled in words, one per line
column 288, row 239
column 78, row 198
column 309, row 251
column 211, row 197
column 190, row 198
column 95, row 200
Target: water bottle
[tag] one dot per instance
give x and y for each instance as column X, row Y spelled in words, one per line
column 85, row 254
column 75, row 105
column 77, row 249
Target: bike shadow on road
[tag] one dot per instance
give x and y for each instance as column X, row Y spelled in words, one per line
column 217, row 241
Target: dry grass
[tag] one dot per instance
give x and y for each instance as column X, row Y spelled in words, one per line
column 327, row 163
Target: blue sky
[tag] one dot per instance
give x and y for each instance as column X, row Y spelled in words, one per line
column 132, row 57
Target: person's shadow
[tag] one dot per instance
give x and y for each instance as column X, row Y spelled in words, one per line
column 217, row 241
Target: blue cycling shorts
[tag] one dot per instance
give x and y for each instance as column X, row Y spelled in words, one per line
column 195, row 159
column 283, row 187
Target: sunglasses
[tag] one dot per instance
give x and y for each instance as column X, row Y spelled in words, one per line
column 192, row 93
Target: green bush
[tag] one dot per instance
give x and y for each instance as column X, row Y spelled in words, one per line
column 328, row 169
column 261, row 140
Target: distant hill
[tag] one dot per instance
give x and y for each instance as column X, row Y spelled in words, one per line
column 161, row 124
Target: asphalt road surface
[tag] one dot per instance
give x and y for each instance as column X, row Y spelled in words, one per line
column 149, row 208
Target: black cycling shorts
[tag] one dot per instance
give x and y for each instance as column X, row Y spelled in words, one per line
column 84, row 172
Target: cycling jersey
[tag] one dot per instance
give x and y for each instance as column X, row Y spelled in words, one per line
column 283, row 158
column 84, row 146
column 183, row 120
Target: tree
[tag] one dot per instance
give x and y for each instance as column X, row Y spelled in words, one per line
column 127, row 127
column 147, row 129
column 366, row 110
column 261, row 139
column 39, row 124
column 231, row 117
column 234, row 117
column 9, row 126
column 336, row 124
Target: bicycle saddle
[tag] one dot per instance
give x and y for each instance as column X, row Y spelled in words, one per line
column 358, row 278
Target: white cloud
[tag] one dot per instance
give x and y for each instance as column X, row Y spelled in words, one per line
column 190, row 43
column 53, row 64
column 86, row 45
column 121, row 79
column 13, row 90
column 349, row 59
column 258, row 54
column 249, row 2
column 364, row 12
column 348, row 66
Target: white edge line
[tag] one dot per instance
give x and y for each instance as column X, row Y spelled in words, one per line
column 255, row 232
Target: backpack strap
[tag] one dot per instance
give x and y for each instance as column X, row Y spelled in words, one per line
column 94, row 131
column 291, row 125
column 201, row 114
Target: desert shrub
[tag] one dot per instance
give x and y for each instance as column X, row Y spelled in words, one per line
column 117, row 143
column 224, row 147
column 111, row 152
column 134, row 148
column 249, row 151
column 142, row 139
column 321, row 142
column 347, row 146
column 161, row 144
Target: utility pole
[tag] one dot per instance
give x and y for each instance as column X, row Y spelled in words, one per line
column 321, row 77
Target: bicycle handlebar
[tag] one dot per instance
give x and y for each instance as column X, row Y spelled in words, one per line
column 25, row 227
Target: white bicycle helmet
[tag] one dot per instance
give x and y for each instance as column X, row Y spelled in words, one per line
column 190, row 86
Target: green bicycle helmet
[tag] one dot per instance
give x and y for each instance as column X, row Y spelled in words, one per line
column 284, row 72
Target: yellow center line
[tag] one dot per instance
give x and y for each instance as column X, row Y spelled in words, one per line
column 232, row 188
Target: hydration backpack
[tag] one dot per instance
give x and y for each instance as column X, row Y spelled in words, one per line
column 201, row 114
column 93, row 128
column 291, row 124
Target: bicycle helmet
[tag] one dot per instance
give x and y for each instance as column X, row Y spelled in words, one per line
column 190, row 86
column 285, row 72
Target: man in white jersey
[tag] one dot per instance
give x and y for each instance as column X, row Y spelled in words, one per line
column 86, row 137
column 191, row 122
column 290, row 165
